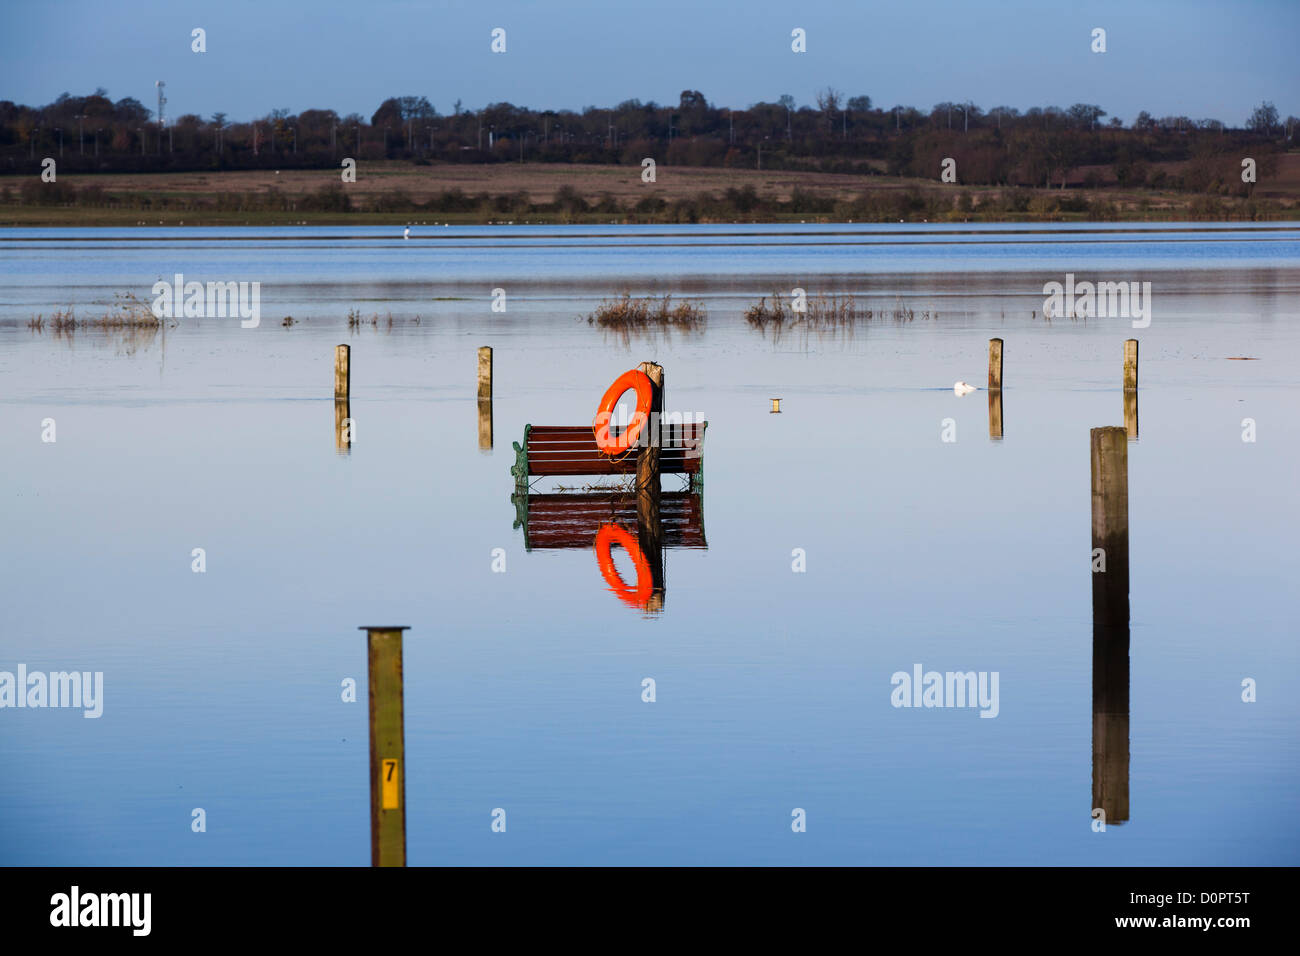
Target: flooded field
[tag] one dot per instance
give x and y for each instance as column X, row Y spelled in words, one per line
column 874, row 527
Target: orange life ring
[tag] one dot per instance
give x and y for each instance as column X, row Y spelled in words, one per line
column 606, row 441
column 606, row 537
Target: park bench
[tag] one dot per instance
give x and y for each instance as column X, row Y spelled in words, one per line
column 571, row 451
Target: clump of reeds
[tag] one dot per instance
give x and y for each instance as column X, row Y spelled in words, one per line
column 128, row 312
column 761, row 315
column 65, row 320
column 356, row 320
column 821, row 313
column 627, row 314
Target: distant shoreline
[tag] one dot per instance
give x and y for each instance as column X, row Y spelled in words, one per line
column 396, row 193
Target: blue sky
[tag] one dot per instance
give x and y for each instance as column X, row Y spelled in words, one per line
column 1171, row 57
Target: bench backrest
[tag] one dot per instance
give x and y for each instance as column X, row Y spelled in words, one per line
column 572, row 450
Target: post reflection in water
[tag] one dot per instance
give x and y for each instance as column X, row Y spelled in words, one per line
column 485, row 398
column 1110, row 625
column 485, row 425
column 343, row 426
column 995, row 414
column 1131, row 413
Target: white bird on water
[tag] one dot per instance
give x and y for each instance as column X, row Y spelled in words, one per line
column 407, row 234
column 962, row 388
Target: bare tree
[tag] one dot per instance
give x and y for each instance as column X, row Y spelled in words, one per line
column 828, row 101
column 1264, row 119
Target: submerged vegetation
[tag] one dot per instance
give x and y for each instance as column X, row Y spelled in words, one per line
column 823, row 313
column 356, row 320
column 129, row 324
column 628, row 313
column 127, row 312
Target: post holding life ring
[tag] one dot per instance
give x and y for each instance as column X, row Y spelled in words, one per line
column 606, row 441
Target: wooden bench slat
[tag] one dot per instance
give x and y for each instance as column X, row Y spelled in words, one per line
column 586, row 434
column 590, row 454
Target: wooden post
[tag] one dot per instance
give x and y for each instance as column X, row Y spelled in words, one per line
column 647, row 462
column 342, row 372
column 1110, row 623
column 1131, row 388
column 387, row 748
column 649, row 521
column 1110, row 516
column 995, row 365
column 485, row 398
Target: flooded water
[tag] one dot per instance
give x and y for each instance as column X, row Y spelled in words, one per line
column 870, row 528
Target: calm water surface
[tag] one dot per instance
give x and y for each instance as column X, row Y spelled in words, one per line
column 523, row 688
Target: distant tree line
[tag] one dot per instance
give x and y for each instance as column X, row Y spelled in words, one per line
column 1000, row 146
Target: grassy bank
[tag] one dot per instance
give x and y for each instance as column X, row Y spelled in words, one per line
column 398, row 193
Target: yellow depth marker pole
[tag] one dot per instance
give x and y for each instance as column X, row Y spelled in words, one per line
column 387, row 748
